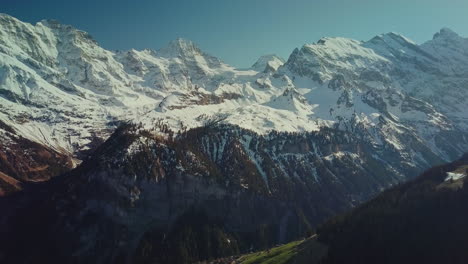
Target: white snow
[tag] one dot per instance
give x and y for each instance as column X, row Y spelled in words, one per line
column 454, row 176
column 268, row 63
column 60, row 88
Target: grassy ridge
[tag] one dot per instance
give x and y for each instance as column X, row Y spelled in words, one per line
column 281, row 254
column 304, row 251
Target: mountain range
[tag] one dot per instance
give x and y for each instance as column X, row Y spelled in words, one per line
column 140, row 155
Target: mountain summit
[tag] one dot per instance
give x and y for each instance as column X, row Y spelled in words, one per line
column 180, row 47
column 268, row 63
column 152, row 151
column 447, row 34
column 337, row 79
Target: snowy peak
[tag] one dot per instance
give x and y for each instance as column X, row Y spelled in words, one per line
column 190, row 55
column 393, row 36
column 180, row 47
column 398, row 48
column 268, row 63
column 53, row 75
column 447, row 39
column 392, row 45
column 450, row 49
column 446, row 34
column 322, row 60
column 187, row 50
column 67, row 30
column 5, row 18
column 333, row 44
column 65, row 51
column 290, row 100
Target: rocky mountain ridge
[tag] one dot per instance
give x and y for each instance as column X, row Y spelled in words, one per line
column 173, row 147
column 61, row 89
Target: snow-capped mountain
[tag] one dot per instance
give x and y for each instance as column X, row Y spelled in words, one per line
column 268, row 63
column 61, row 89
column 298, row 140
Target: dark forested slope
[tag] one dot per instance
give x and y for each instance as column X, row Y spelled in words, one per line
column 422, row 221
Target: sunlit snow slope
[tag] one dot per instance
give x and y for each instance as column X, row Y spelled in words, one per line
column 58, row 87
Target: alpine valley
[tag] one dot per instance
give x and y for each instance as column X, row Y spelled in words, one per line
column 172, row 156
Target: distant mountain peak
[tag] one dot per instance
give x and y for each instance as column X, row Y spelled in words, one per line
column 180, row 47
column 182, row 43
column 446, row 33
column 67, row 29
column 4, row 16
column 392, row 36
column 50, row 22
column 267, row 63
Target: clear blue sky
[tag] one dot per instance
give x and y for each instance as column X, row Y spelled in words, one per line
column 239, row 31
